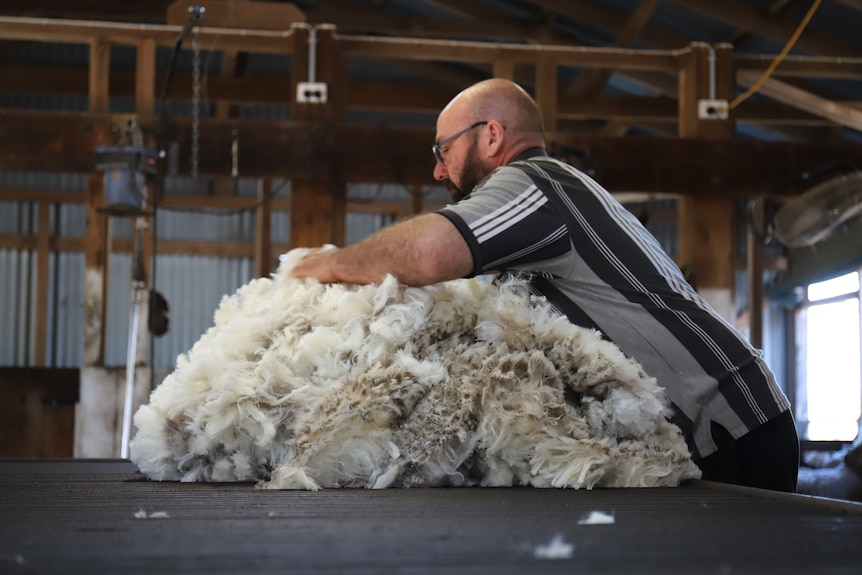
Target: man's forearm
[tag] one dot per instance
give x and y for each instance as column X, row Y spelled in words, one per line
column 420, row 251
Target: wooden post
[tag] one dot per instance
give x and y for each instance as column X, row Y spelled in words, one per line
column 232, row 64
column 546, row 96
column 145, row 107
column 96, row 239
column 98, row 415
column 417, row 203
column 145, row 78
column 504, row 69
column 95, row 415
column 319, row 204
column 707, row 223
column 754, row 266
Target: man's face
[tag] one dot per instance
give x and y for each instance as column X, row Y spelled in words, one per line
column 458, row 150
column 471, row 173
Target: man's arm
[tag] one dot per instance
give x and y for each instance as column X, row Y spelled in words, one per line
column 420, row 251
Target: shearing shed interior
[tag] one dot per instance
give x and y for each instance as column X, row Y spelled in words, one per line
column 162, row 162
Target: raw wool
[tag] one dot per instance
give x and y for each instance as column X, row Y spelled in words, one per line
column 302, row 385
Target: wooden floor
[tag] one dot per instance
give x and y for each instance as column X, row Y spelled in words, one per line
column 101, row 516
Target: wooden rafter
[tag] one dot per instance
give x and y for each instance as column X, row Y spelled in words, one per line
column 609, row 19
column 855, row 4
column 745, row 17
column 149, row 11
column 591, row 84
column 848, row 116
column 287, row 141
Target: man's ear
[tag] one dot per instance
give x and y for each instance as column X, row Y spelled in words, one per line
column 496, row 138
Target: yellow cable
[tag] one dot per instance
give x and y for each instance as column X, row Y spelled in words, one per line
column 757, row 85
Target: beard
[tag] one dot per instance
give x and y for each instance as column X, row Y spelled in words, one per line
column 471, row 174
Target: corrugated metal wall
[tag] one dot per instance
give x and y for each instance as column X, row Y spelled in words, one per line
column 193, row 285
column 16, row 307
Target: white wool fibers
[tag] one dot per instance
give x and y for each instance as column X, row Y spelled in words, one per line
column 302, row 385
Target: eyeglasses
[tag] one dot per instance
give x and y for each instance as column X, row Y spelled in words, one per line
column 436, row 147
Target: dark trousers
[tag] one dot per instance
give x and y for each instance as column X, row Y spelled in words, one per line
column 766, row 457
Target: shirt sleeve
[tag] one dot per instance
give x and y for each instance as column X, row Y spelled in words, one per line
column 508, row 223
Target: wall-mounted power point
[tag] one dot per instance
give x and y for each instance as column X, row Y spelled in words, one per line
column 712, row 109
column 311, row 92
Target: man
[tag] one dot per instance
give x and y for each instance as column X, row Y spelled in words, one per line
column 515, row 210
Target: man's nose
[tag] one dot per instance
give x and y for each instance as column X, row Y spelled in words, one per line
column 440, row 172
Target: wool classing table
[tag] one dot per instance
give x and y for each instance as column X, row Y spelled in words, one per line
column 103, row 516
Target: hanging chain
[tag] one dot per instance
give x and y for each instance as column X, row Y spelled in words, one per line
column 196, row 100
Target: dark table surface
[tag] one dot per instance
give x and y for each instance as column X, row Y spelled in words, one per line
column 102, row 516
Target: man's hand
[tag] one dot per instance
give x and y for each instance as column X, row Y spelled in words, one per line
column 317, row 264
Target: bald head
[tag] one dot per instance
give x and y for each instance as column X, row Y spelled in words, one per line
column 506, row 102
column 484, row 127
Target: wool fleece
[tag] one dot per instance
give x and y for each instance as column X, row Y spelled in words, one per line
column 303, row 385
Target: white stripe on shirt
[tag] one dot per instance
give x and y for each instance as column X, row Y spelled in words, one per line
column 508, row 214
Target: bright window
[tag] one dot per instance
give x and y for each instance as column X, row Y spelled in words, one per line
column 830, row 367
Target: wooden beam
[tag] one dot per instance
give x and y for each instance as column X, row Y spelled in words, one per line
column 625, row 108
column 411, row 96
column 82, row 32
column 226, row 14
column 748, row 18
column 463, row 51
column 595, row 14
column 609, row 19
column 350, row 20
column 165, row 35
column 151, row 11
column 591, row 84
column 45, row 79
column 43, row 195
column 233, row 249
column 782, row 91
column 215, row 202
column 846, row 68
column 854, row 4
column 776, row 8
column 45, row 141
column 466, row 8
column 65, row 142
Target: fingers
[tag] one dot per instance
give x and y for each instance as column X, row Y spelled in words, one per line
column 315, row 264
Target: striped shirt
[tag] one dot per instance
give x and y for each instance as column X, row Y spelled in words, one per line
column 594, row 261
